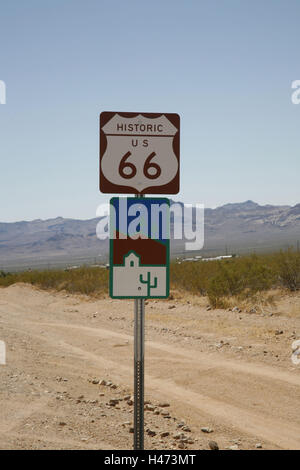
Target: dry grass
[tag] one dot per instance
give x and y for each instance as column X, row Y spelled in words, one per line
column 249, row 281
column 244, row 279
column 85, row 280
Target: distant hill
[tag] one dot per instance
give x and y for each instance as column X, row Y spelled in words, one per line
column 248, row 226
column 240, row 227
column 54, row 241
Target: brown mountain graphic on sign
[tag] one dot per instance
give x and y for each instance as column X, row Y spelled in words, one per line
column 150, row 251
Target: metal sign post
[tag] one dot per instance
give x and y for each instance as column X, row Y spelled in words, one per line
column 139, row 384
column 139, row 153
column 139, row 335
column 139, row 269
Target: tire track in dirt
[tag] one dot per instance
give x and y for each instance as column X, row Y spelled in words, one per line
column 279, row 432
column 206, row 361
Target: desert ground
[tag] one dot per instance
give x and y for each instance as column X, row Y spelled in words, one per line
column 211, row 375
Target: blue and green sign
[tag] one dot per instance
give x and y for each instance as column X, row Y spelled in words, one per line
column 139, row 247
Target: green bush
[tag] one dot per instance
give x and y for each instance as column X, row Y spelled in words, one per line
column 241, row 277
column 85, row 280
column 289, row 270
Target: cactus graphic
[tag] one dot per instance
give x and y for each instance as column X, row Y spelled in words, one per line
column 148, row 282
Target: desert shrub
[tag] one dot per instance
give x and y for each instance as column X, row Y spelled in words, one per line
column 217, row 292
column 289, row 269
column 192, row 276
column 85, row 280
column 256, row 274
column 241, row 277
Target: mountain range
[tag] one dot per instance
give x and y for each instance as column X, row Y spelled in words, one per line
column 231, row 228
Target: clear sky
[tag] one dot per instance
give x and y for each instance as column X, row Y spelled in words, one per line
column 226, row 66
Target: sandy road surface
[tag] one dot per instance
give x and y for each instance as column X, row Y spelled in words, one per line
column 228, row 371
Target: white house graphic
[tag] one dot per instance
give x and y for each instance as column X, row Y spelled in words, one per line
column 136, row 280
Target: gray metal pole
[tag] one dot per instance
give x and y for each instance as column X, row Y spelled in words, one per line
column 139, row 347
column 139, row 320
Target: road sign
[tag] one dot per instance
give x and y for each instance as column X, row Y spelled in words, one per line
column 139, row 153
column 139, row 248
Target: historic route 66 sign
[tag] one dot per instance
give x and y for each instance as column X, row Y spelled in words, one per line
column 139, row 153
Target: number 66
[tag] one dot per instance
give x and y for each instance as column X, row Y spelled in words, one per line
column 148, row 165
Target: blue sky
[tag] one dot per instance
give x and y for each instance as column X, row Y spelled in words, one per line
column 225, row 66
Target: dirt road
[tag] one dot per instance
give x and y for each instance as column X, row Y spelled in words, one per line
column 227, row 371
